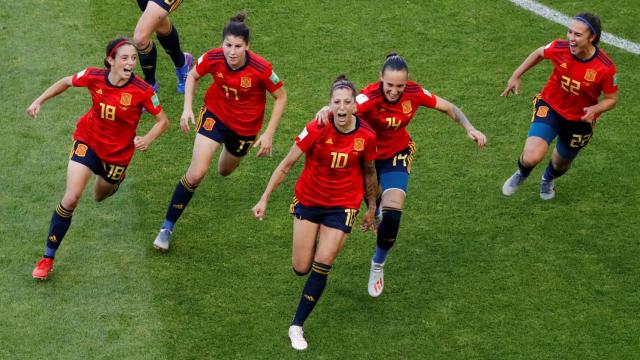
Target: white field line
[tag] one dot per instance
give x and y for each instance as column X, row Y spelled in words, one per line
column 558, row 17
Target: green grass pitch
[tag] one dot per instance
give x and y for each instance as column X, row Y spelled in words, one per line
column 474, row 275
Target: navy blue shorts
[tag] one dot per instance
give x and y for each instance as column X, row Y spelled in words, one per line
column 548, row 124
column 210, row 126
column 393, row 173
column 335, row 218
column 83, row 154
column 168, row 5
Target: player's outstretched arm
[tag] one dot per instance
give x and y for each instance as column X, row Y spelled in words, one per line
column 162, row 123
column 54, row 90
column 265, row 141
column 189, row 92
column 371, row 189
column 279, row 174
column 513, row 85
column 458, row 116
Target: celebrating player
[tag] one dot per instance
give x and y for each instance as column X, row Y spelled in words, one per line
column 327, row 194
column 569, row 104
column 388, row 106
column 155, row 18
column 232, row 114
column 105, row 137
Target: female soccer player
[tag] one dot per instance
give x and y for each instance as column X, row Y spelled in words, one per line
column 105, row 137
column 327, row 194
column 568, row 106
column 232, row 114
column 388, row 106
column 155, row 18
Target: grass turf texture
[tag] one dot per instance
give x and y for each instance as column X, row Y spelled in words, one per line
column 473, row 275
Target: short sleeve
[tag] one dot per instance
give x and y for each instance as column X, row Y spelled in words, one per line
column 370, row 149
column 610, row 81
column 427, row 99
column 81, row 79
column 549, row 49
column 308, row 136
column 271, row 80
column 151, row 102
column 203, row 64
column 363, row 103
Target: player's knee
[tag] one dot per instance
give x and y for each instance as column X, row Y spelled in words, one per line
column 195, row 176
column 226, row 170
column 71, row 200
column 141, row 42
column 301, row 270
column 389, row 227
column 532, row 157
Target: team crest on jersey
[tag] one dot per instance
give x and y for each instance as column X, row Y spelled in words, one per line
column 358, row 144
column 590, row 75
column 245, row 82
column 208, row 124
column 81, row 150
column 406, row 107
column 125, row 99
column 542, row 111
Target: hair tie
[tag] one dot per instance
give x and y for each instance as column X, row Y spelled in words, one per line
column 118, row 45
column 593, row 30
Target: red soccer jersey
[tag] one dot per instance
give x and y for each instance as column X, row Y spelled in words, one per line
column 110, row 125
column 333, row 170
column 575, row 83
column 237, row 97
column 390, row 120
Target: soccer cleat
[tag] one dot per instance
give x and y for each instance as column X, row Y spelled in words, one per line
column 43, row 268
column 513, row 183
column 376, row 279
column 296, row 334
column 162, row 240
column 547, row 189
column 182, row 72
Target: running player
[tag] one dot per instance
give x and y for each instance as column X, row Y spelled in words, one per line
column 388, row 106
column 569, row 104
column 328, row 194
column 105, row 137
column 155, row 18
column 232, row 114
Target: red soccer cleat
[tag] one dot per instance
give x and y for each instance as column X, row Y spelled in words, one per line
column 43, row 267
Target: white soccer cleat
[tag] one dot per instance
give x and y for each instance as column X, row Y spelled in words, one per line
column 296, row 334
column 547, row 189
column 376, row 279
column 513, row 183
column 162, row 240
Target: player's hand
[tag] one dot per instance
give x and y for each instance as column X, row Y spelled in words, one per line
column 259, row 209
column 513, row 86
column 33, row 109
column 589, row 114
column 265, row 142
column 322, row 116
column 141, row 143
column 187, row 116
column 368, row 219
column 478, row 137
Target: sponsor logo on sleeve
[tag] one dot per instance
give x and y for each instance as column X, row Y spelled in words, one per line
column 155, row 100
column 361, row 98
column 303, row 134
column 200, row 59
column 81, row 74
column 426, row 92
column 615, row 79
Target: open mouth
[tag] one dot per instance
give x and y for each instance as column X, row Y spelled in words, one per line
column 341, row 115
column 128, row 71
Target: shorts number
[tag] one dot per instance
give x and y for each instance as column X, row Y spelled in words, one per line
column 569, row 85
column 351, row 217
column 400, row 157
column 107, row 112
column 338, row 160
column 228, row 90
column 242, row 145
column 394, row 123
column 115, row 172
column 578, row 141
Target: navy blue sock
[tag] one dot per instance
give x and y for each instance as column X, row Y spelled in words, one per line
column 181, row 197
column 60, row 222
column 387, row 233
column 314, row 287
column 171, row 44
column 148, row 59
column 551, row 172
column 524, row 170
